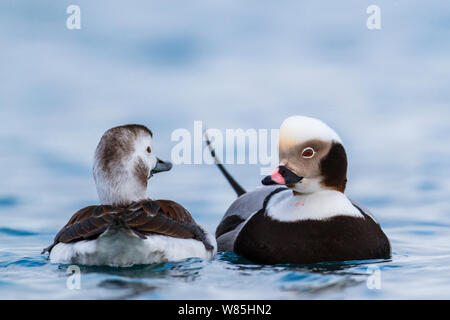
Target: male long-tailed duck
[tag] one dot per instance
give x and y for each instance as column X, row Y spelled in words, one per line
column 128, row 228
column 302, row 214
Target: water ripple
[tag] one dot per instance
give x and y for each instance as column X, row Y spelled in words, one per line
column 8, row 201
column 17, row 233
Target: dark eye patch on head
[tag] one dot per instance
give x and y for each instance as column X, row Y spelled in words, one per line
column 142, row 171
column 334, row 168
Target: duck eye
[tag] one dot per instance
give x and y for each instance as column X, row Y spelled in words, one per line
column 308, row 153
column 149, row 149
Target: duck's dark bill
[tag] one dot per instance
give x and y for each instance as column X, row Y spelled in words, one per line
column 161, row 166
column 281, row 175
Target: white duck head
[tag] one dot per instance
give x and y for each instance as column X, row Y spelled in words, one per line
column 124, row 162
column 312, row 157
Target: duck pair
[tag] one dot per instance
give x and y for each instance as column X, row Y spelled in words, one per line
column 301, row 215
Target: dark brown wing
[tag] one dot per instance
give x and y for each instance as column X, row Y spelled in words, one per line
column 144, row 218
column 164, row 217
column 175, row 211
column 86, row 224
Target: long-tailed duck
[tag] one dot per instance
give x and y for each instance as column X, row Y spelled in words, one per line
column 302, row 214
column 128, row 228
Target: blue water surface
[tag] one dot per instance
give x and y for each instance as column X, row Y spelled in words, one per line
column 231, row 64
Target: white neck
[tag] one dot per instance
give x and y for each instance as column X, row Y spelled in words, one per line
column 119, row 191
column 320, row 205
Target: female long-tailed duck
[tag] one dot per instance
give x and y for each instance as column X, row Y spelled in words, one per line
column 302, row 214
column 128, row 228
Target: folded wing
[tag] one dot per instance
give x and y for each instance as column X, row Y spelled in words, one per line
column 144, row 218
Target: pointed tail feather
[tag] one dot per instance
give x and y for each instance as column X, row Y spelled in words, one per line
column 234, row 184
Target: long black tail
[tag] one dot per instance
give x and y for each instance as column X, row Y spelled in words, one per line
column 236, row 186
